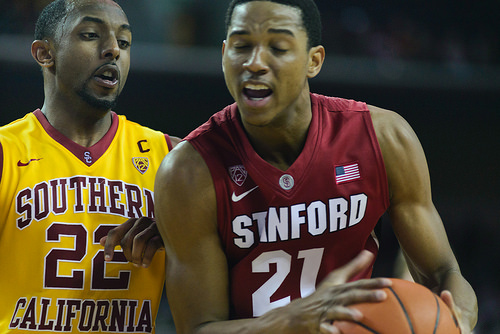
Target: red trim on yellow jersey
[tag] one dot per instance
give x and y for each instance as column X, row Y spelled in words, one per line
column 96, row 150
column 1, row 161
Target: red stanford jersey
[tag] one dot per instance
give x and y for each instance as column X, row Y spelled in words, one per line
column 284, row 231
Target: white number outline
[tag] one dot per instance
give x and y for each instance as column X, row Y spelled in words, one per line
column 261, row 298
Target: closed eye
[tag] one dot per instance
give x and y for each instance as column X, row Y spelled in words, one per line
column 89, row 35
column 241, row 46
column 279, row 50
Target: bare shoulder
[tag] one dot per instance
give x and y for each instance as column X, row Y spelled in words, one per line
column 183, row 165
column 394, row 133
column 185, row 200
column 404, row 158
column 184, row 181
column 387, row 121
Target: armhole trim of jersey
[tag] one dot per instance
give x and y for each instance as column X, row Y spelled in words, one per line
column 169, row 143
column 1, row 161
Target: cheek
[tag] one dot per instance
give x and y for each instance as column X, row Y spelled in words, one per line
column 228, row 66
column 124, row 70
column 75, row 64
column 230, row 75
column 71, row 72
column 294, row 78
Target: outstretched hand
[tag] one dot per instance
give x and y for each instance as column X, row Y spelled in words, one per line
column 139, row 239
column 345, row 294
column 331, row 300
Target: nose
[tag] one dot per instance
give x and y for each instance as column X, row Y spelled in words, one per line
column 256, row 63
column 111, row 49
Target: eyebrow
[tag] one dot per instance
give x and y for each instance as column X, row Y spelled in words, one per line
column 271, row 30
column 99, row 21
column 281, row 31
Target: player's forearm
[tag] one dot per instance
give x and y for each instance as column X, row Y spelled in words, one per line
column 275, row 321
column 242, row 326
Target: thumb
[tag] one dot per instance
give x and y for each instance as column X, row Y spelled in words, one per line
column 352, row 268
column 447, row 298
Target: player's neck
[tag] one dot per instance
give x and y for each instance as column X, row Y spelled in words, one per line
column 279, row 147
column 82, row 126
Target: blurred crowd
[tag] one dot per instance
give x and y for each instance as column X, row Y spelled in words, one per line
column 437, row 31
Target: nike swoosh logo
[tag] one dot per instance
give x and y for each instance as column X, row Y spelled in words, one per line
column 237, row 198
column 24, row 164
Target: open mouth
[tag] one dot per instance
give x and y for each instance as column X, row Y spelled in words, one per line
column 107, row 76
column 257, row 92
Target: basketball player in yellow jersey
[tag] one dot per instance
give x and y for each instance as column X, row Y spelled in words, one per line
column 69, row 173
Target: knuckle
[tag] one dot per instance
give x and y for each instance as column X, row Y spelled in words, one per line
column 112, row 233
column 125, row 240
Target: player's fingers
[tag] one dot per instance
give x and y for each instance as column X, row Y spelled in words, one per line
column 349, row 270
column 338, row 308
column 128, row 238
column 155, row 244
column 114, row 238
column 145, row 243
column 328, row 328
column 447, row 298
column 339, row 313
column 345, row 273
column 103, row 240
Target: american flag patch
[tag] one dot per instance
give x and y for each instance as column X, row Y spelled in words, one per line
column 347, row 173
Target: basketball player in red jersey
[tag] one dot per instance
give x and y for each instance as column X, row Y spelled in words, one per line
column 269, row 208
column 69, row 173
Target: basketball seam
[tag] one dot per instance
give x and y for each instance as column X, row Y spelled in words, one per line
column 437, row 315
column 404, row 310
column 367, row 328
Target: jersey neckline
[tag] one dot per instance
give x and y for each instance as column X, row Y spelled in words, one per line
column 87, row 155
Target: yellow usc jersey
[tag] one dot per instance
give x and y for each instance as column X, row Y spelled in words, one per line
column 57, row 199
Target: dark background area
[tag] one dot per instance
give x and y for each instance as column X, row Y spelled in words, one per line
column 453, row 105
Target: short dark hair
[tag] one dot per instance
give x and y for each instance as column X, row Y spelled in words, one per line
column 310, row 16
column 49, row 18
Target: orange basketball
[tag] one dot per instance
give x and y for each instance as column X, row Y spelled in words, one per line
column 410, row 308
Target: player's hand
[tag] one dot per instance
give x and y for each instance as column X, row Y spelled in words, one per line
column 139, row 239
column 447, row 297
column 317, row 312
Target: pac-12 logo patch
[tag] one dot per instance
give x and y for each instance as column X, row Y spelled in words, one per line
column 238, row 174
column 142, row 164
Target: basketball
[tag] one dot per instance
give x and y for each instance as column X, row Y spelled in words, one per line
column 410, row 308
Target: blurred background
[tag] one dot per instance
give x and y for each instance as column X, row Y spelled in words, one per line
column 436, row 63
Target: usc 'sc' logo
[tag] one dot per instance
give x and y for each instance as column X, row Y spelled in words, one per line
column 88, row 157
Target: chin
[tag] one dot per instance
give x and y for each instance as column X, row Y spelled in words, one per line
column 98, row 103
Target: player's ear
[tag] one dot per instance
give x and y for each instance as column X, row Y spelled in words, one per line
column 223, row 51
column 43, row 53
column 316, row 59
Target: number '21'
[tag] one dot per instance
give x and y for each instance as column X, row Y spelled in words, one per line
column 261, row 299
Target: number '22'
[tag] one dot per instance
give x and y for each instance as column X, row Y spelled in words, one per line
column 99, row 281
